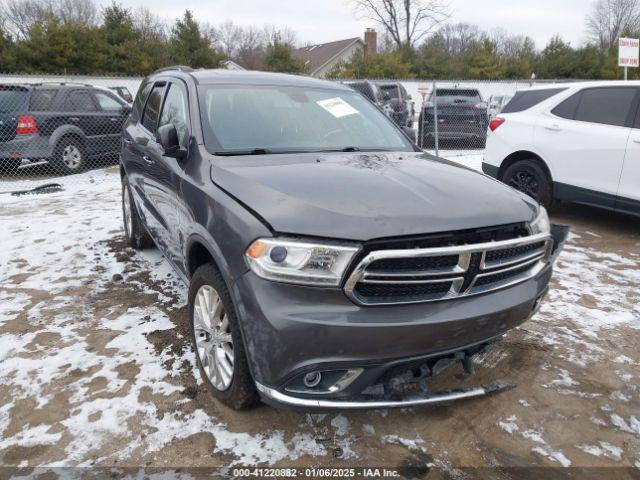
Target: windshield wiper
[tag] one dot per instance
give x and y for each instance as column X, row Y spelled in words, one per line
column 253, row 151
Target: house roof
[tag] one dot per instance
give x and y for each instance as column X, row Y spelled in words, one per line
column 316, row 56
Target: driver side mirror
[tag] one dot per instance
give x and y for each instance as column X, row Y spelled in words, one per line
column 168, row 137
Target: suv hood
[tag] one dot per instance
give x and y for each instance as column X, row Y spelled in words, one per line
column 363, row 196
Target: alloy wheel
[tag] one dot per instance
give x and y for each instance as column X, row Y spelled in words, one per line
column 214, row 342
column 72, row 157
column 526, row 183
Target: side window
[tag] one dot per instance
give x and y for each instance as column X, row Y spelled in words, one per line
column 107, row 102
column 175, row 111
column 150, row 115
column 80, row 101
column 524, row 100
column 141, row 97
column 609, row 106
column 41, row 100
column 567, row 108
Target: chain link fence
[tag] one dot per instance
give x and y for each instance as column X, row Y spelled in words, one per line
column 52, row 127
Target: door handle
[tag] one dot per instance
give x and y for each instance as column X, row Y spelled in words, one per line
column 553, row 127
column 636, row 140
column 148, row 160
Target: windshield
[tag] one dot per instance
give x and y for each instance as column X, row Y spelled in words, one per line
column 278, row 119
column 458, row 96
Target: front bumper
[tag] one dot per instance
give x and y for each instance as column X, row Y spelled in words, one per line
column 277, row 398
column 290, row 331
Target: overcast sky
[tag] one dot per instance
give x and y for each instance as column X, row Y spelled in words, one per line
column 320, row 21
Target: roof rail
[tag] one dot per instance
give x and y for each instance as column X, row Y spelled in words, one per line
column 35, row 84
column 175, row 68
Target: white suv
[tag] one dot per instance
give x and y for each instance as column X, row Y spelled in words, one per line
column 576, row 141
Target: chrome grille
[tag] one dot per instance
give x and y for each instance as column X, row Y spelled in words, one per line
column 385, row 277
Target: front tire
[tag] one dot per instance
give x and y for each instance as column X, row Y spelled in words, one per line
column 134, row 231
column 530, row 178
column 217, row 341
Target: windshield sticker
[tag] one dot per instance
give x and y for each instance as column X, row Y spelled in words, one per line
column 337, row 107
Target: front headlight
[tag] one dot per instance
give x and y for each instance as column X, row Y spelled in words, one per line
column 299, row 262
column 541, row 224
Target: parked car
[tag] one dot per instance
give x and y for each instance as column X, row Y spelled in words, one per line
column 401, row 103
column 462, row 119
column 123, row 93
column 373, row 93
column 577, row 142
column 322, row 271
column 496, row 103
column 66, row 125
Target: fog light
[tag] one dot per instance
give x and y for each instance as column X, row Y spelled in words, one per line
column 312, row 379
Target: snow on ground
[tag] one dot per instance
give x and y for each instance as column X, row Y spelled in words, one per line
column 96, row 367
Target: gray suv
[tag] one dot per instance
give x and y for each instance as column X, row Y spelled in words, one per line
column 330, row 262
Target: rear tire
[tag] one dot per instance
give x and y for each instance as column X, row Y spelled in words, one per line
column 69, row 155
column 530, row 178
column 134, row 231
column 217, row 341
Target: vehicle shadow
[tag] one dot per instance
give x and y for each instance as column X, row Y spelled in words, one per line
column 597, row 220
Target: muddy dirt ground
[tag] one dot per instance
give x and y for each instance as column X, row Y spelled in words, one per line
column 96, row 369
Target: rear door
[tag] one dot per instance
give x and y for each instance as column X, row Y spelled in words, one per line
column 628, row 200
column 142, row 147
column 79, row 110
column 583, row 140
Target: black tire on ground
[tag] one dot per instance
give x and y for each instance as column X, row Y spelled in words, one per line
column 69, row 155
column 134, row 231
column 241, row 393
column 529, row 177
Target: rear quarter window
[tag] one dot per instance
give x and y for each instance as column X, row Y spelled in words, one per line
column 41, row 100
column 522, row 101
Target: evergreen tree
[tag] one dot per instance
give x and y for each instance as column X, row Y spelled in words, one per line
column 279, row 58
column 189, row 47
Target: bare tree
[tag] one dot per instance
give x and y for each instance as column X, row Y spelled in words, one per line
column 458, row 37
column 610, row 18
column 149, row 24
column 227, row 35
column 285, row 35
column 83, row 12
column 21, row 15
column 406, row 21
column 250, row 48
